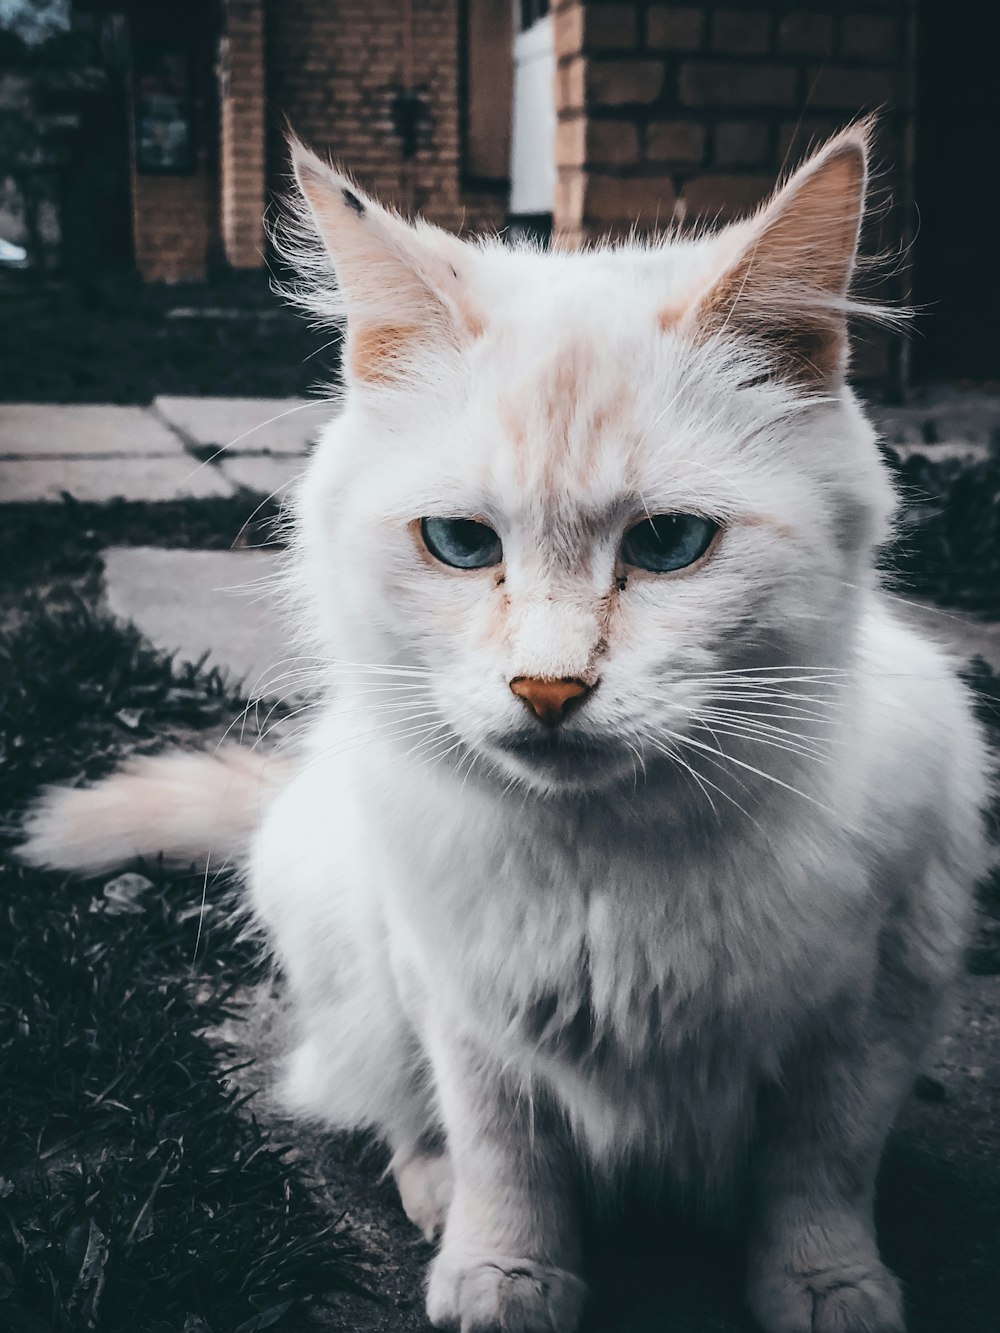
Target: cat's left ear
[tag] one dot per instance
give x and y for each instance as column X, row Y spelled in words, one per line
column 789, row 268
column 399, row 284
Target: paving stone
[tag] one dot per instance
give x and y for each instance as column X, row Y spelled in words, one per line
column 947, row 452
column 248, row 425
column 83, row 430
column 963, row 421
column 197, row 602
column 100, row 479
column 265, row 473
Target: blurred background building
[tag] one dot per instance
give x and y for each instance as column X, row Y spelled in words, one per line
column 151, row 136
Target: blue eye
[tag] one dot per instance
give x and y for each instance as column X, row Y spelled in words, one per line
column 668, row 541
column 461, row 542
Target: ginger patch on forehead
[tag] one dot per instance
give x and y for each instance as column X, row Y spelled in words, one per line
column 557, row 421
column 564, row 390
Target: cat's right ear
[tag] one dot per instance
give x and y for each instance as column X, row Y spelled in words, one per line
column 400, row 284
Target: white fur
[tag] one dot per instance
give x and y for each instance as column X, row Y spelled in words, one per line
column 720, row 952
column 185, row 806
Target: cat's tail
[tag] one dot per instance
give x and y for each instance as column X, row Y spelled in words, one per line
column 187, row 805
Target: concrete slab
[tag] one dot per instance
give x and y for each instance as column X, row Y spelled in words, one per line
column 92, row 430
column 265, row 473
column 197, row 602
column 957, row 419
column 101, row 479
column 247, row 425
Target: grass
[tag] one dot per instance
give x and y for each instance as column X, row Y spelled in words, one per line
column 53, row 543
column 118, row 340
column 949, row 543
column 135, row 1193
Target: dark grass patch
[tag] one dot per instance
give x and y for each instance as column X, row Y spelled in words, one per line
column 43, row 542
column 949, row 542
column 133, row 1194
column 118, row 340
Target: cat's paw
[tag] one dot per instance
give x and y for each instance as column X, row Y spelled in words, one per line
column 425, row 1182
column 853, row 1298
column 499, row 1294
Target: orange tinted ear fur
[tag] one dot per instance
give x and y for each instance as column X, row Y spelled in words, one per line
column 788, row 284
column 399, row 283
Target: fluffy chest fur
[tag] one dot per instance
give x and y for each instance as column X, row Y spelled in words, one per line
column 647, row 974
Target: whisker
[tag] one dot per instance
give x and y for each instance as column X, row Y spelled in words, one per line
column 750, row 768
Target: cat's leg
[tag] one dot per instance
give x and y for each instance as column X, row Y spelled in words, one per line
column 426, row 1181
column 510, row 1258
column 814, row 1261
column 358, row 1063
column 380, row 1084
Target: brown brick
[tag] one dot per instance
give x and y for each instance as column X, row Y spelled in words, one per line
column 571, row 141
column 724, row 196
column 612, row 143
column 805, row 34
column 675, row 141
column 567, row 207
column 611, row 27
column 567, row 30
column 741, row 143
column 673, row 28
column 740, row 32
column 571, row 84
column 869, row 37
column 583, row 141
column 704, row 83
column 625, row 199
column 568, row 238
column 851, row 89
column 241, row 135
column 623, row 82
column 172, row 226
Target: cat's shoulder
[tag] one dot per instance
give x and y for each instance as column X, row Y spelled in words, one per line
column 901, row 658
column 917, row 734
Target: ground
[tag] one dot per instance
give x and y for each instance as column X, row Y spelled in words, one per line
column 115, row 339
column 135, row 1191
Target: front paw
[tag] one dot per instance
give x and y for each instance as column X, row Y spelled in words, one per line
column 853, row 1297
column 499, row 1294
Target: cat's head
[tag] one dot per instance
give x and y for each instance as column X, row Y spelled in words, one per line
column 581, row 513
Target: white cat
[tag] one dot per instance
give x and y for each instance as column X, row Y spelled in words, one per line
column 634, row 827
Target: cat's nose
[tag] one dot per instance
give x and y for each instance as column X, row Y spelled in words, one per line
column 550, row 699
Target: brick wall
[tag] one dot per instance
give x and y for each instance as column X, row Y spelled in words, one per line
column 176, row 217
column 673, row 112
column 335, row 70
column 173, row 226
column 241, row 129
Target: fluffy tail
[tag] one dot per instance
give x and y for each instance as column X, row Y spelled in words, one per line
column 188, row 806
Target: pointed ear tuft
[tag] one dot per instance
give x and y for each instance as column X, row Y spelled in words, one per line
column 789, row 268
column 398, row 283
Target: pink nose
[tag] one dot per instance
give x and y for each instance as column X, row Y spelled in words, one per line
column 549, row 699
